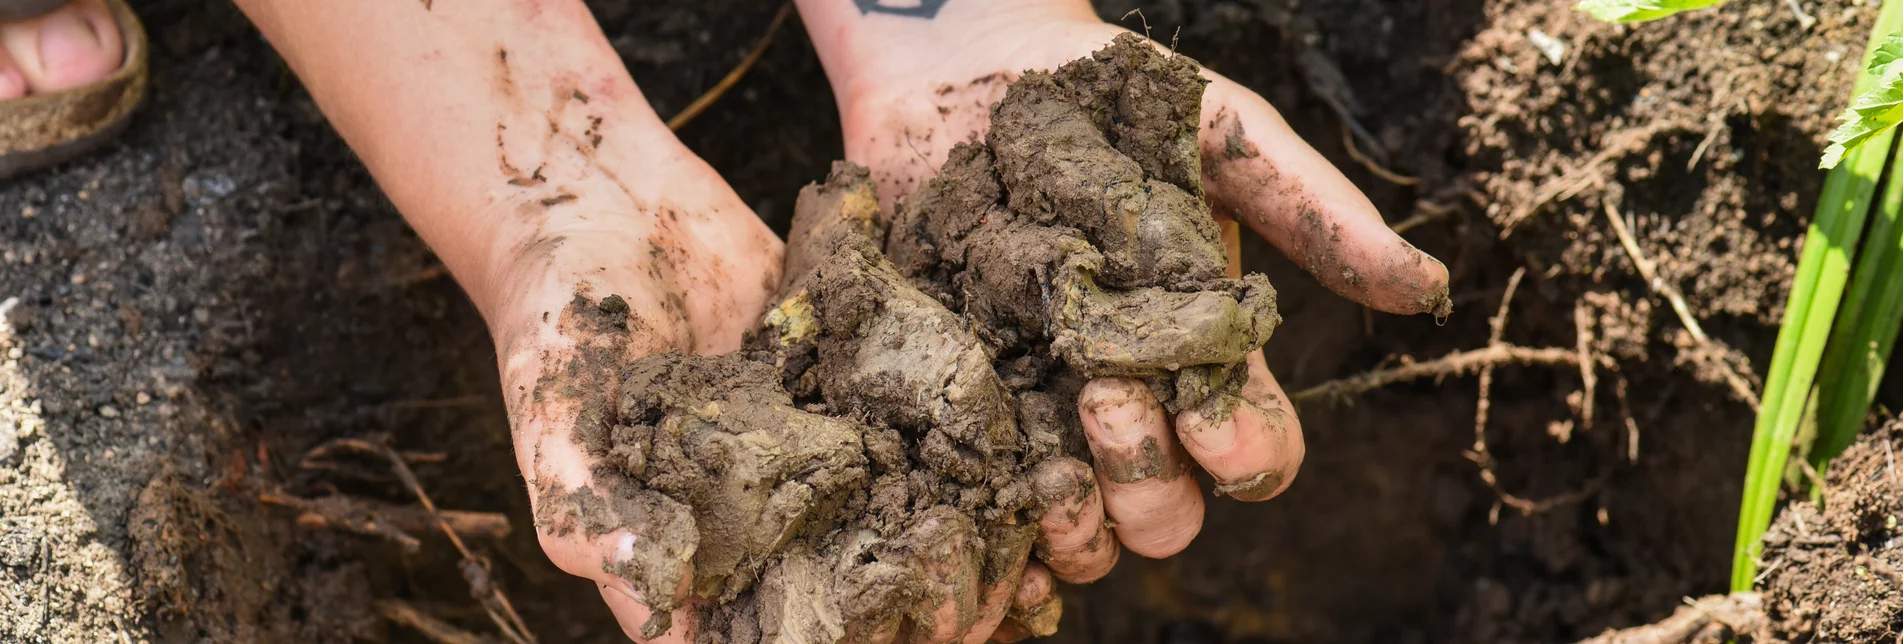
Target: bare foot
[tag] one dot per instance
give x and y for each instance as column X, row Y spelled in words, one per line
column 72, row 46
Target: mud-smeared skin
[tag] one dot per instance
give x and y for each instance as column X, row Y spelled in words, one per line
column 1078, row 231
column 866, row 460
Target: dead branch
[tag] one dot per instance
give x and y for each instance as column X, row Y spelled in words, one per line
column 1649, row 272
column 727, row 82
column 475, row 569
column 1710, row 618
column 435, row 629
column 394, row 522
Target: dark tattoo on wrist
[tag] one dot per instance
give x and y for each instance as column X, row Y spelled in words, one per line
column 927, row 9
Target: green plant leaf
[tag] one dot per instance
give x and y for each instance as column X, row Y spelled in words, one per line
column 1639, row 10
column 1823, row 268
column 1875, row 110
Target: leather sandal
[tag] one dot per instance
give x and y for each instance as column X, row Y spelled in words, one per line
column 39, row 131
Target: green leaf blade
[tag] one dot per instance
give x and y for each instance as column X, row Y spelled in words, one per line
column 1639, row 10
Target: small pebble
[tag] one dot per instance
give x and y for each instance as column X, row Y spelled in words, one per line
column 201, row 315
column 15, row 353
column 108, row 411
column 27, row 212
column 143, row 398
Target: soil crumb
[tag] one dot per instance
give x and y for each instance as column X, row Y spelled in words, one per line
column 866, row 459
column 1831, row 573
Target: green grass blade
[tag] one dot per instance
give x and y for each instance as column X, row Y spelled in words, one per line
column 1866, row 329
column 1822, row 270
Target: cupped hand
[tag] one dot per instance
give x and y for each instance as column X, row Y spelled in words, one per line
column 633, row 251
column 910, row 87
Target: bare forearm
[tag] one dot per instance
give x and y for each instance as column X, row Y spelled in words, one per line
column 454, row 108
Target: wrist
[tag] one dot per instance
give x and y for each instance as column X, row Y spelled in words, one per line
column 862, row 49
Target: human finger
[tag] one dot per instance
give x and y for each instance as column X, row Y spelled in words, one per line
column 1073, row 540
column 1035, row 610
column 1254, row 448
column 1256, row 168
column 1142, row 472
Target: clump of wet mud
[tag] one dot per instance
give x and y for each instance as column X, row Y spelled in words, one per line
column 865, row 460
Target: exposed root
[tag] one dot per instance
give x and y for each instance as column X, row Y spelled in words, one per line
column 435, row 629
column 1390, row 176
column 1453, row 364
column 475, row 569
column 393, row 522
column 680, row 119
column 1424, row 212
column 1649, row 271
column 1588, row 173
column 1712, row 618
column 1483, row 458
column 1588, row 374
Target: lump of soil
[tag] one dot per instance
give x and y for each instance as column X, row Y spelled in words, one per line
column 1835, row 573
column 865, row 460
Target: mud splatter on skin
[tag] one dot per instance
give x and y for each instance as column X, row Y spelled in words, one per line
column 867, row 457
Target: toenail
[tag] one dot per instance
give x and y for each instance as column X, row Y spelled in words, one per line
column 66, row 39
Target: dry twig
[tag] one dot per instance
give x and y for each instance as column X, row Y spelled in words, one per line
column 1649, row 272
column 435, row 629
column 727, row 82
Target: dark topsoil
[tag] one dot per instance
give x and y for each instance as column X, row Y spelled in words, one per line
column 201, row 304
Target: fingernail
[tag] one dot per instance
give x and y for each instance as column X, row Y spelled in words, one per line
column 1122, row 414
column 1214, row 438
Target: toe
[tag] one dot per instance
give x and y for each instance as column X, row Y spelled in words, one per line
column 12, row 82
column 72, row 46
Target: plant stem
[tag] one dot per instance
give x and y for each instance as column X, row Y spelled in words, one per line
column 1822, row 270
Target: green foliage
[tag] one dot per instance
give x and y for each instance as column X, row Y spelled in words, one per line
column 1865, row 331
column 1874, row 110
column 1639, row 10
column 1822, row 271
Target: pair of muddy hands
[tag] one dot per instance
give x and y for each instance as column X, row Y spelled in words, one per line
column 943, row 408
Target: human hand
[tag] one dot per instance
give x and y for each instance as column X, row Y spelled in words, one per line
column 673, row 262
column 911, row 83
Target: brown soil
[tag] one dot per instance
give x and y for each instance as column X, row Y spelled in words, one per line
column 204, row 302
column 1832, row 575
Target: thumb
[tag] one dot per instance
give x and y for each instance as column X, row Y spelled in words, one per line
column 636, row 575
